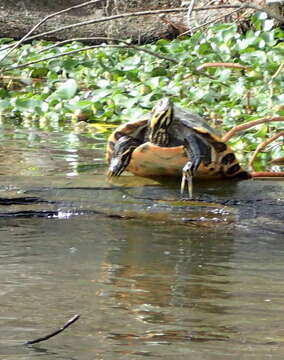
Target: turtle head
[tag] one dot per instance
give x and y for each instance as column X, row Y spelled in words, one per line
column 161, row 119
column 121, row 155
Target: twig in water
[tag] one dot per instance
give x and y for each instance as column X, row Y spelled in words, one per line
column 46, row 337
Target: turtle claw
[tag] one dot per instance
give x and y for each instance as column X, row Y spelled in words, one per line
column 116, row 168
column 187, row 178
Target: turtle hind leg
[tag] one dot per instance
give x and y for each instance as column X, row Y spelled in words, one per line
column 121, row 155
column 197, row 152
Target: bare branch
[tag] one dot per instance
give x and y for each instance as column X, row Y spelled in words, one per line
column 248, row 125
column 43, row 21
column 238, row 7
column 210, row 22
column 154, row 53
column 127, row 45
column 278, row 161
column 59, row 55
column 46, row 337
column 243, row 6
column 59, row 43
column 104, row 19
column 189, row 12
column 263, row 145
column 278, row 71
column 267, row 174
column 225, row 65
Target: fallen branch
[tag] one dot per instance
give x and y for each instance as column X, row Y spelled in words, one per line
column 278, row 71
column 126, row 45
column 278, row 161
column 189, row 12
column 214, row 20
column 200, row 68
column 238, row 7
column 273, row 77
column 248, row 125
column 56, row 332
column 42, row 22
column 57, row 56
column 59, row 43
column 94, row 47
column 267, row 174
column 244, row 6
column 263, row 145
column 95, row 21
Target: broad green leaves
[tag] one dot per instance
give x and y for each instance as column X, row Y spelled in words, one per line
column 110, row 85
column 65, row 91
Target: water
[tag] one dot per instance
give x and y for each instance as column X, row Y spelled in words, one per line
column 152, row 276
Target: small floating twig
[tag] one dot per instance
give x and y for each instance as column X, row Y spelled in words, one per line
column 46, row 337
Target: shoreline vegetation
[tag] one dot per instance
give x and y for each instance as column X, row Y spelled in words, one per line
column 227, row 76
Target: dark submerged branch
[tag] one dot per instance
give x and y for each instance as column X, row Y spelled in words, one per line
column 56, row 332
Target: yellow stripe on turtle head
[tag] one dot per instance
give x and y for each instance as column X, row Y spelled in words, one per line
column 162, row 114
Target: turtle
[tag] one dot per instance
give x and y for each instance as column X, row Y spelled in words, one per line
column 172, row 141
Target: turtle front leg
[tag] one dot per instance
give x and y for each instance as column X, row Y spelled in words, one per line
column 188, row 172
column 187, row 178
column 196, row 150
column 121, row 155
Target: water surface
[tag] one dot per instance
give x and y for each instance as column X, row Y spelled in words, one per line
column 151, row 275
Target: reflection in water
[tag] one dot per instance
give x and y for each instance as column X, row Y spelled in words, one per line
column 141, row 290
column 32, row 152
column 147, row 280
column 167, row 280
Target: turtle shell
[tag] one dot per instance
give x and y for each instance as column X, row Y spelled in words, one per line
column 150, row 160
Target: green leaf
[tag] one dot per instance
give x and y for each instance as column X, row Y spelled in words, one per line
column 130, row 63
column 4, row 105
column 268, row 24
column 159, row 71
column 65, row 91
column 100, row 94
column 262, row 131
column 279, row 99
column 24, row 104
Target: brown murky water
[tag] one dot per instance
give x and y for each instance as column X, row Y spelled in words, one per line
column 151, row 275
